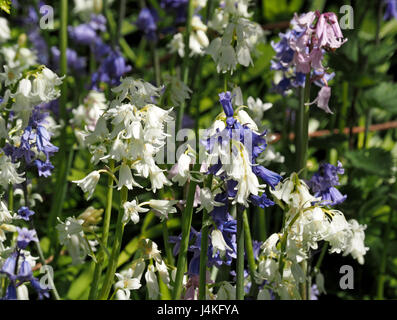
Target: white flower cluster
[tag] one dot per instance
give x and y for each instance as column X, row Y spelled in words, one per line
column 38, row 86
column 130, row 279
column 86, row 115
column 131, row 133
column 8, row 172
column 305, row 225
column 72, row 234
column 178, row 91
column 198, row 40
column 239, row 35
column 160, row 207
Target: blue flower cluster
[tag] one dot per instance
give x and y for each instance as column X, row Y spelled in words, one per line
column 147, row 22
column 34, row 137
column 283, row 62
column 323, row 184
column 178, row 7
column 31, row 23
column 112, row 65
column 391, row 10
column 74, row 61
column 235, row 129
column 18, row 269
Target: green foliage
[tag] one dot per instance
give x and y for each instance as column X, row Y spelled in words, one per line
column 5, row 5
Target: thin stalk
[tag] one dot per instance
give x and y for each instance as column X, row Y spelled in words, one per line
column 204, row 247
column 168, row 250
column 303, row 285
column 156, row 63
column 240, row 255
column 383, row 261
column 302, row 135
column 56, row 206
column 109, row 277
column 186, row 58
column 121, row 19
column 105, row 234
column 186, row 224
column 321, row 257
column 203, row 256
column 11, row 198
column 250, row 253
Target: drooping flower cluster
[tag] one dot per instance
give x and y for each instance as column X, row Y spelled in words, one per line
column 306, row 224
column 239, row 36
column 112, row 64
column 323, row 184
column 35, row 147
column 147, row 22
column 300, row 53
column 137, row 134
column 232, row 146
column 130, row 279
column 198, row 40
column 73, row 234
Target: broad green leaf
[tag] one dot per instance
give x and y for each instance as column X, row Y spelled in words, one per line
column 374, row 160
column 383, row 96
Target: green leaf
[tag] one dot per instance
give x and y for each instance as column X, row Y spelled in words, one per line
column 5, row 5
column 374, row 160
column 383, row 96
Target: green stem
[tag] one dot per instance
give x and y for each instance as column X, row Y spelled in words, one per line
column 56, row 206
column 156, row 63
column 240, row 254
column 203, row 256
column 302, row 134
column 186, row 59
column 250, row 253
column 121, row 19
column 204, row 247
column 11, row 198
column 321, row 257
column 303, row 285
column 109, row 277
column 168, row 250
column 105, row 234
column 383, row 261
column 186, row 224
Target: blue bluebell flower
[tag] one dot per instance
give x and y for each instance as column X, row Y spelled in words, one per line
column 25, row 213
column 111, row 69
column 25, row 271
column 10, row 265
column 83, row 34
column 44, row 168
column 36, row 136
column 324, row 181
column 179, row 7
column 42, row 292
column 235, row 130
column 74, row 62
column 25, row 236
column 11, row 292
column 391, row 10
column 147, row 22
column 98, row 22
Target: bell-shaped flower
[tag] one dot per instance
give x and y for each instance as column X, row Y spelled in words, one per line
column 88, row 184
